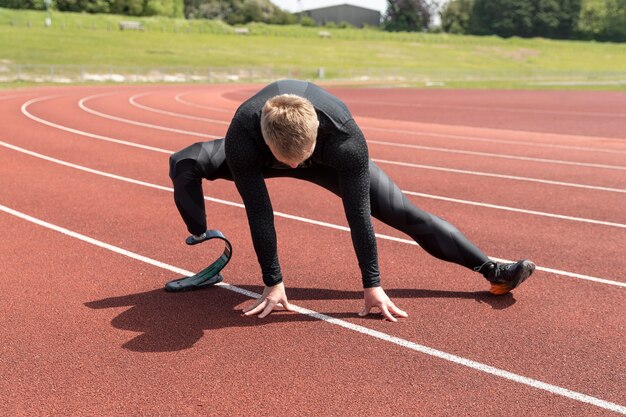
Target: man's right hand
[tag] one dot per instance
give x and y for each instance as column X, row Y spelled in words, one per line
column 271, row 297
column 376, row 297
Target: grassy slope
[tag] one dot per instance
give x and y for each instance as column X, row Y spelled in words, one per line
column 95, row 40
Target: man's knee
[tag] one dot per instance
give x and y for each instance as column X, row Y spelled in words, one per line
column 184, row 161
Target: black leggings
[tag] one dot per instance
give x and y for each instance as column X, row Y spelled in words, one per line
column 207, row 160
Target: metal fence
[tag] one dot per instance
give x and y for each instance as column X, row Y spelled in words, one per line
column 134, row 74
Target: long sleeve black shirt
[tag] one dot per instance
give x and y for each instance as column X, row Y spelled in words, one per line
column 340, row 146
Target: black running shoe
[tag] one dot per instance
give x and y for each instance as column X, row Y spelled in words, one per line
column 505, row 277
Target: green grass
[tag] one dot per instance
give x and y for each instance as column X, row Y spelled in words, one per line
column 465, row 61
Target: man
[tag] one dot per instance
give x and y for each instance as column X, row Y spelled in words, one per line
column 296, row 129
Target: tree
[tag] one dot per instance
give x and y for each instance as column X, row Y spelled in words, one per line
column 502, row 17
column 407, row 15
column 456, row 16
column 603, row 20
column 526, row 18
column 23, row 4
column 89, row 6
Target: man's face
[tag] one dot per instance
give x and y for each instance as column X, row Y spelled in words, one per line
column 289, row 162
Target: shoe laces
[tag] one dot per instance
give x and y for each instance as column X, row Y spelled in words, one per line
column 496, row 270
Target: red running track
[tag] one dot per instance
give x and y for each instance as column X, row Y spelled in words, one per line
column 89, row 331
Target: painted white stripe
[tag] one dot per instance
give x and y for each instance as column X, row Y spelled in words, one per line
column 199, row 106
column 506, row 177
column 491, row 109
column 133, row 101
column 429, row 167
column 449, row 136
column 478, row 366
column 517, row 210
column 466, row 138
column 490, row 140
column 497, row 155
column 82, row 105
column 288, row 216
column 83, row 133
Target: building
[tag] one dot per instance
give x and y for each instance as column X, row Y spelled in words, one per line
column 355, row 15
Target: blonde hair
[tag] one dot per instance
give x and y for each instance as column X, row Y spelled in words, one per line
column 289, row 124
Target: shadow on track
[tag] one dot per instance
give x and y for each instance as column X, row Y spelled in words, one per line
column 176, row 321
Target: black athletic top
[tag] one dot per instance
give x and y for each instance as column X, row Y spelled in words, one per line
column 340, row 145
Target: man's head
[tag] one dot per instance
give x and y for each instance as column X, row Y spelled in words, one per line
column 289, row 126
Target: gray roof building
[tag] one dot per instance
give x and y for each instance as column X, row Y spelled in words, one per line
column 355, row 15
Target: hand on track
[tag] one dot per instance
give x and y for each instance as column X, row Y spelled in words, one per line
column 376, row 297
column 271, row 297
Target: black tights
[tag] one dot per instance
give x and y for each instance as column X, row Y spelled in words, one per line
column 207, row 160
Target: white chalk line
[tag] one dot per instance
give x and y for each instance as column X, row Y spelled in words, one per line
column 410, row 192
column 491, row 140
column 377, row 142
column 199, row 106
column 447, row 136
column 442, row 198
column 500, row 176
column 133, row 101
column 82, row 105
column 516, row 210
column 288, row 216
column 81, row 132
column 497, row 155
column 428, row 167
column 491, row 109
column 478, row 366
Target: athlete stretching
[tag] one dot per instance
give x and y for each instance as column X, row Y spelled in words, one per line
column 298, row 130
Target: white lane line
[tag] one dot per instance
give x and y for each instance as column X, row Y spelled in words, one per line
column 497, row 155
column 82, row 105
column 285, row 215
column 491, row 109
column 31, row 116
column 133, row 101
column 501, row 176
column 459, row 360
column 199, row 106
column 428, row 167
column 490, row 140
column 516, row 210
column 422, row 133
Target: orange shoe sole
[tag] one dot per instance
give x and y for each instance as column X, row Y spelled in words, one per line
column 499, row 289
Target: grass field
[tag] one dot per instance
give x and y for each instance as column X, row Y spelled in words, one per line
column 349, row 54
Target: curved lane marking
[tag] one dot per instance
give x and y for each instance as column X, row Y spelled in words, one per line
column 445, row 135
column 199, row 106
column 490, row 140
column 132, row 100
column 491, row 109
column 497, row 155
column 82, row 105
column 501, row 176
column 411, row 146
column 459, row 360
column 430, row 167
column 285, row 215
column 516, row 210
column 31, row 116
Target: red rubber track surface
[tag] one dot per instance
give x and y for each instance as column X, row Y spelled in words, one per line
column 87, row 331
